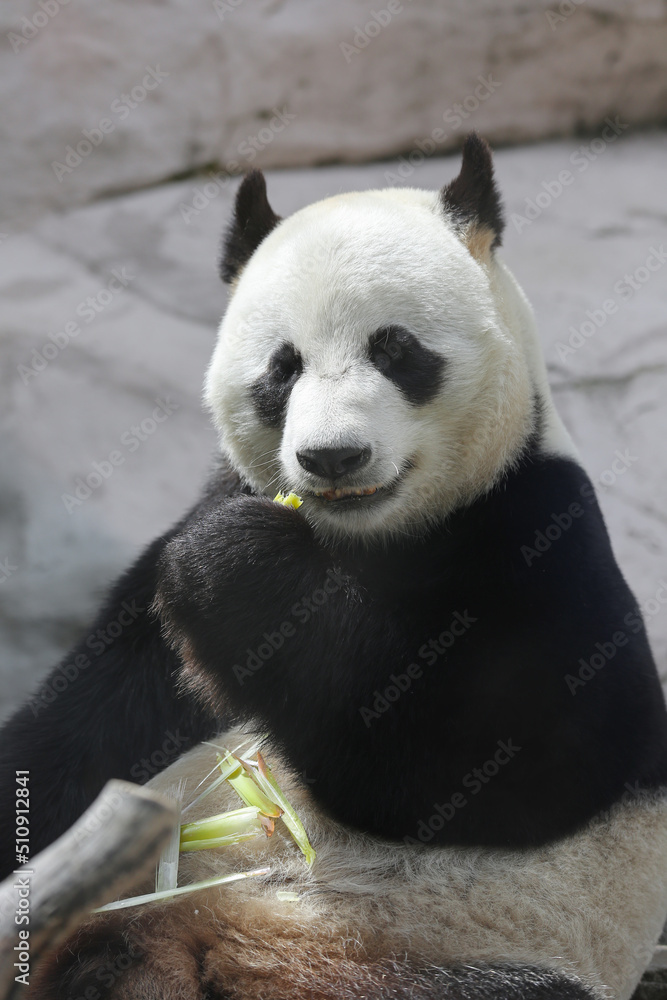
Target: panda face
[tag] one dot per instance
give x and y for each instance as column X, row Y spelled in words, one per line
column 363, row 363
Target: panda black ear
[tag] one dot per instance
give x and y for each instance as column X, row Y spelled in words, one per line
column 472, row 198
column 253, row 220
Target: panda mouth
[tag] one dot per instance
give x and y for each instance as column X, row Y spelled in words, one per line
column 350, row 496
column 347, row 493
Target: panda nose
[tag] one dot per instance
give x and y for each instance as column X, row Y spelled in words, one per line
column 332, row 463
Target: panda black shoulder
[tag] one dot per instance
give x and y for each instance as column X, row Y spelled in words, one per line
column 527, row 635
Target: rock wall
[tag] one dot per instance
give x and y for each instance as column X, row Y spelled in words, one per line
column 101, row 98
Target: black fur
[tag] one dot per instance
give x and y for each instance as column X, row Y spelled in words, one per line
column 483, row 981
column 270, row 393
column 499, row 695
column 417, row 371
column 253, row 221
column 473, row 195
column 111, row 709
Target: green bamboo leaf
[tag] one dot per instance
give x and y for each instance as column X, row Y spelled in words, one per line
column 244, row 783
column 210, row 788
column 223, row 825
column 271, row 788
column 156, row 897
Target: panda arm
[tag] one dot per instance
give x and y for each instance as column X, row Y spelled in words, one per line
column 111, row 709
column 246, row 581
column 267, row 625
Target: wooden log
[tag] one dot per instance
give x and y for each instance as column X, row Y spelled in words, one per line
column 659, row 960
column 113, row 846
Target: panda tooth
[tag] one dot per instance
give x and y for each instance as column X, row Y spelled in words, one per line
column 350, row 491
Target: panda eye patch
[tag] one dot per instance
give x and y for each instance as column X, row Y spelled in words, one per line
column 271, row 392
column 412, row 367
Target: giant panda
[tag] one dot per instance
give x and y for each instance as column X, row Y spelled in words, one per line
column 449, row 674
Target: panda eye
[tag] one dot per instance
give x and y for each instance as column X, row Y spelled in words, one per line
column 286, row 364
column 404, row 360
column 385, row 350
column 271, row 391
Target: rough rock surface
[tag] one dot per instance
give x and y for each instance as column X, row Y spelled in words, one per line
column 351, row 81
column 144, row 347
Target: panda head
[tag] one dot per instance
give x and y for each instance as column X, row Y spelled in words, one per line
column 373, row 355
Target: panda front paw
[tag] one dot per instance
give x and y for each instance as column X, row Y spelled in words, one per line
column 231, row 573
column 242, row 540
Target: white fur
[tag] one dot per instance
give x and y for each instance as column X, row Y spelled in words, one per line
column 592, row 905
column 326, row 279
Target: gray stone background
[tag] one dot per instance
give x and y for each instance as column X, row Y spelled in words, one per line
column 122, row 127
